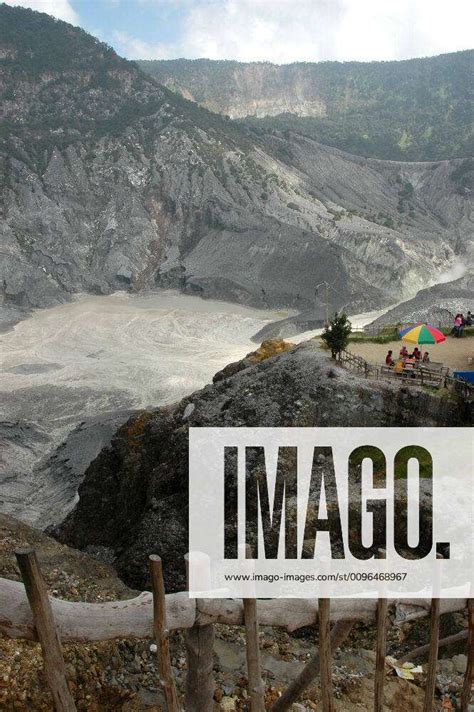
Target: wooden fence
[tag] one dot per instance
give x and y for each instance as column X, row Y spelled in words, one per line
column 358, row 364
column 28, row 612
column 423, row 376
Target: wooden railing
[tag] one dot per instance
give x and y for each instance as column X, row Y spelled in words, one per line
column 416, row 376
column 421, row 376
column 28, row 612
column 358, row 364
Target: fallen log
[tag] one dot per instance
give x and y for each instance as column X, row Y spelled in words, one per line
column 133, row 618
column 339, row 633
column 85, row 622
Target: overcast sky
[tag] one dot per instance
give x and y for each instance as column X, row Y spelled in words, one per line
column 275, row 30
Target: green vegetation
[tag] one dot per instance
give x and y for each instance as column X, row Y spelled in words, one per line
column 406, row 194
column 63, row 87
column 414, row 110
column 38, row 44
column 336, row 334
column 387, row 333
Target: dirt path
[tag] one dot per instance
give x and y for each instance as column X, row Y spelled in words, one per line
column 452, row 352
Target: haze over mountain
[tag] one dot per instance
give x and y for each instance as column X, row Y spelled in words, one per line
column 416, row 110
column 113, row 181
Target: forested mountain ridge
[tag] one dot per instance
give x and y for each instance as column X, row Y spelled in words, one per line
column 60, row 84
column 111, row 181
column 415, row 110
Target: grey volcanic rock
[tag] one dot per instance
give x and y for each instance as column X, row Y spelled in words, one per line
column 65, row 467
column 110, row 181
column 435, row 305
column 283, row 328
column 42, row 488
column 10, row 315
column 134, row 495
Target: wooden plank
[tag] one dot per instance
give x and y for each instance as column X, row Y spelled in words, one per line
column 433, row 655
column 54, row 667
column 469, row 675
column 325, row 663
column 161, row 634
column 435, row 612
column 252, row 649
column 380, row 653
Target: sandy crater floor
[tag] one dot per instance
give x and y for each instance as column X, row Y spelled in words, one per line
column 95, row 357
column 92, row 361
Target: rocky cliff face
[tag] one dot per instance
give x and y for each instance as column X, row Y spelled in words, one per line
column 111, row 181
column 134, row 495
column 418, row 109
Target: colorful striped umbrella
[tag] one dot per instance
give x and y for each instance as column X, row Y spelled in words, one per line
column 422, row 334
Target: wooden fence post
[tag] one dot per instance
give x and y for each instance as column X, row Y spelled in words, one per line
column 256, row 686
column 199, row 642
column 54, row 667
column 468, row 677
column 432, row 656
column 162, row 634
column 325, row 666
column 381, row 651
column 434, row 641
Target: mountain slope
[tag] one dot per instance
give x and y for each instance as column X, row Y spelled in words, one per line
column 111, row 181
column 417, row 109
column 438, row 304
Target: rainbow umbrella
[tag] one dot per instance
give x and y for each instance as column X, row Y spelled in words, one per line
column 422, row 334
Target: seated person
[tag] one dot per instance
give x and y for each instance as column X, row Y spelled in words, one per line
column 399, row 366
column 389, row 359
column 416, row 354
column 426, row 357
column 404, row 352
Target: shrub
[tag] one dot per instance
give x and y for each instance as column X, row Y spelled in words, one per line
column 336, row 334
